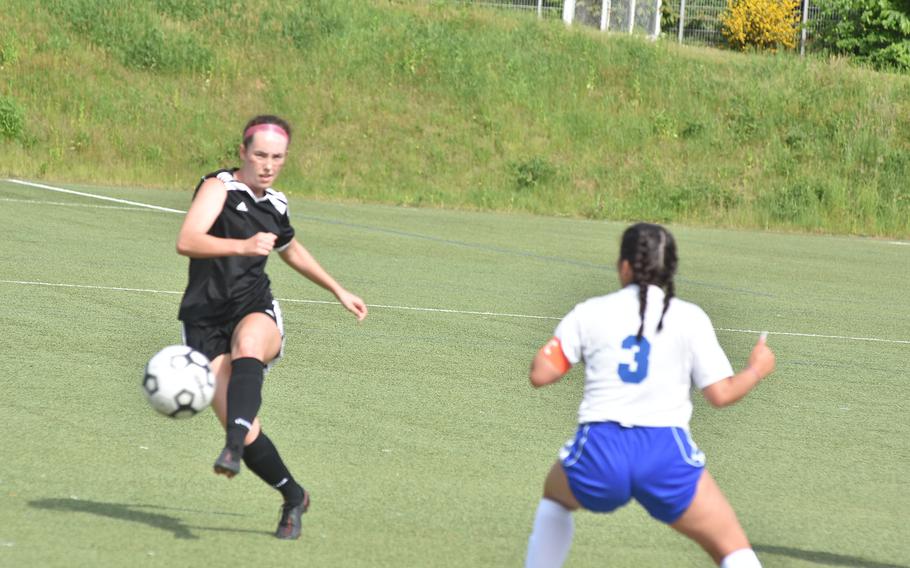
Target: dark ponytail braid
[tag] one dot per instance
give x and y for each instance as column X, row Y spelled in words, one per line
column 651, row 251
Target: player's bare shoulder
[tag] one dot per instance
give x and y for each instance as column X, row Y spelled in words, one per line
column 211, row 189
column 215, row 181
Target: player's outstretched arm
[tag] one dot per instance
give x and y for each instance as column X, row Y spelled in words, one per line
column 300, row 259
column 549, row 365
column 195, row 242
column 730, row 390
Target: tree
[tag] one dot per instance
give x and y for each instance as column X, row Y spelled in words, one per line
column 874, row 31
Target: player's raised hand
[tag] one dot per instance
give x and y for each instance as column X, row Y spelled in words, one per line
column 762, row 359
column 260, row 244
column 353, row 304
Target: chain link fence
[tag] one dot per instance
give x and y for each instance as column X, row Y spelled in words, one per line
column 698, row 22
column 624, row 16
column 543, row 8
column 688, row 21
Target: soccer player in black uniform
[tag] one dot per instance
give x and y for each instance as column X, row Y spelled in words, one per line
column 228, row 312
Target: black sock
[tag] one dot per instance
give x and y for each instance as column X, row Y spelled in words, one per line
column 244, row 396
column 262, row 458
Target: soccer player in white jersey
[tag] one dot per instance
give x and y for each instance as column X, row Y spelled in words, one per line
column 642, row 349
column 235, row 221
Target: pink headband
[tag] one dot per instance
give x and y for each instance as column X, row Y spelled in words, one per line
column 261, row 127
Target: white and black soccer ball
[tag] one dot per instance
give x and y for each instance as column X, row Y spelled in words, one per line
column 179, row 382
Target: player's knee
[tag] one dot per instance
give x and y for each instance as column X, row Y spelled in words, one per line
column 248, row 346
column 252, row 434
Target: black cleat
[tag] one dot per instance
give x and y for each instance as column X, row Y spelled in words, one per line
column 289, row 524
column 228, row 463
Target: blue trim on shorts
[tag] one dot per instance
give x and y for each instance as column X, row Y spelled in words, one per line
column 608, row 464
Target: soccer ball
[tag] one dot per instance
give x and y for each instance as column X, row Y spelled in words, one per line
column 178, row 381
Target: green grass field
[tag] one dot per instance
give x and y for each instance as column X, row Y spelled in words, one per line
column 417, row 432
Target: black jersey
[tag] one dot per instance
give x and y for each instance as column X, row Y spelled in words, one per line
column 224, row 288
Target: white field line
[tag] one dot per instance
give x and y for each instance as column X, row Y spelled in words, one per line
column 167, row 209
column 437, row 310
column 392, row 307
column 93, row 196
column 288, row 300
column 822, row 336
column 62, row 204
column 443, row 310
column 88, row 287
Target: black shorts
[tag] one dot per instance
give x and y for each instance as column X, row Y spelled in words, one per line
column 214, row 340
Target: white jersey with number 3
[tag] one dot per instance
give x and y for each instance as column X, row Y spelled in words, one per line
column 646, row 383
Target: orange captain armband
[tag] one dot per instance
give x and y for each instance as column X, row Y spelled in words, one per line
column 553, row 353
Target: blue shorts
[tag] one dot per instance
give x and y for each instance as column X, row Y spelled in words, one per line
column 608, row 464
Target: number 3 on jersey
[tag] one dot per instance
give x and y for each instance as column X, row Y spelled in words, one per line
column 642, row 350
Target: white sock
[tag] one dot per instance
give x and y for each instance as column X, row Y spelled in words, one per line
column 742, row 558
column 551, row 537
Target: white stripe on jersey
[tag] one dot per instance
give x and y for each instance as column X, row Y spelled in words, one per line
column 275, row 198
column 277, row 195
column 278, row 200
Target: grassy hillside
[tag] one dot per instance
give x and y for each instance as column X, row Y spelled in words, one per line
column 423, row 103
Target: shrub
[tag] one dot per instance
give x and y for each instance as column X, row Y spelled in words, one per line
column 12, row 118
column 189, row 10
column 152, row 49
column 9, row 53
column 872, row 31
column 795, row 201
column 306, row 25
column 532, row 172
column 135, row 36
column 761, row 24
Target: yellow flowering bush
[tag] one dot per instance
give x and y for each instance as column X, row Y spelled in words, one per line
column 763, row 24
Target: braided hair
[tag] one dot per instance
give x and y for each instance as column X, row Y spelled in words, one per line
column 651, row 251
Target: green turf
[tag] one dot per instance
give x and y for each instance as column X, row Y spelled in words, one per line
column 416, row 431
